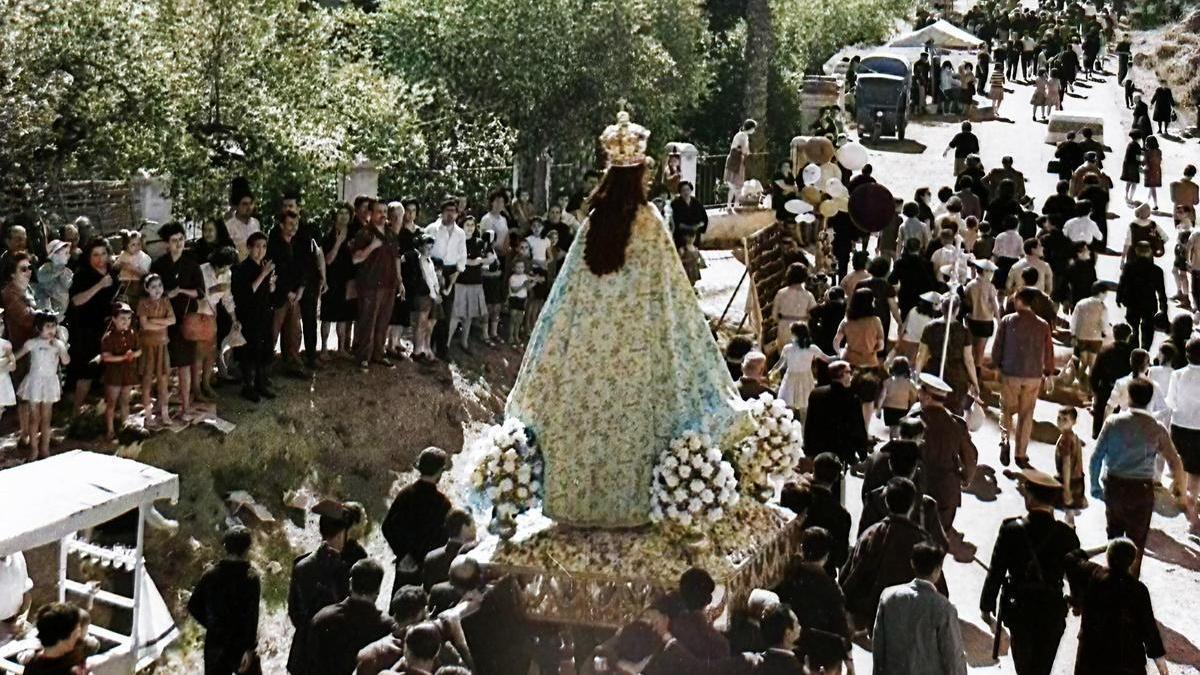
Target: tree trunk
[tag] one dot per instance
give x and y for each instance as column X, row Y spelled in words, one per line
column 760, row 45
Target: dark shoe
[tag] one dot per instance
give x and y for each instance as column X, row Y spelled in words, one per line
column 1004, row 456
column 250, row 394
column 1023, row 462
column 265, row 392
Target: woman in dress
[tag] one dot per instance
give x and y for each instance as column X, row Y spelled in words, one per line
column 40, row 388
column 93, row 290
column 1054, row 92
column 996, row 90
column 470, row 303
column 735, row 163
column 19, row 309
column 1131, row 166
column 621, row 312
column 1164, row 108
column 183, row 283
column 792, row 304
column 783, row 189
column 860, row 336
column 1152, row 159
column 1039, row 98
column 797, row 362
column 337, row 305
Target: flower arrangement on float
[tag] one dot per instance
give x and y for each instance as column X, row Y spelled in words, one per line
column 772, row 451
column 693, row 483
column 509, row 473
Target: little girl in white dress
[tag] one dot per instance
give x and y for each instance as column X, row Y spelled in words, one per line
column 41, row 387
column 797, row 359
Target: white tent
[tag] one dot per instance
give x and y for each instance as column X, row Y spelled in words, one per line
column 944, row 34
column 51, row 500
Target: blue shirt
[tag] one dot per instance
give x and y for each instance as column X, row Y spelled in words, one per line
column 1129, row 443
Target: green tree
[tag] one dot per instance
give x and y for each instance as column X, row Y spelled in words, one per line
column 553, row 71
column 104, row 88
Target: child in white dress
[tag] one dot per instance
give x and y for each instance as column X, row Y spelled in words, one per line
column 41, row 388
column 8, row 363
column 133, row 264
column 797, row 359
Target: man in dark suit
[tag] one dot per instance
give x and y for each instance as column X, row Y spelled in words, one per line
column 1028, row 560
column 841, row 431
column 881, row 556
column 319, row 579
column 225, row 602
column 826, row 511
column 1142, row 292
column 337, row 632
column 879, row 465
column 924, row 511
column 416, row 521
column 781, row 630
column 1112, row 363
column 460, row 527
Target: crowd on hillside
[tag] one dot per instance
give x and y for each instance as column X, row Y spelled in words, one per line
column 972, row 281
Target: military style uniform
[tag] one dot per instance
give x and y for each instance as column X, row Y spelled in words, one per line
column 1034, row 610
column 319, row 579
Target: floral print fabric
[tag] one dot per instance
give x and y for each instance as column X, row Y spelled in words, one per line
column 617, row 366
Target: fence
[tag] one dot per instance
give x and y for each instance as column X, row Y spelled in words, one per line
column 711, row 189
column 109, row 204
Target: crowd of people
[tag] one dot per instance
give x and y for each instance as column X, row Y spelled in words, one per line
column 973, row 284
column 368, row 283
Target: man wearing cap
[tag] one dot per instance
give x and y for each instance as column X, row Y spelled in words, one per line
column 1129, row 444
column 1024, row 354
column 319, row 579
column 53, row 288
column 1028, row 562
column 880, row 557
column 924, row 511
column 949, row 456
column 416, row 521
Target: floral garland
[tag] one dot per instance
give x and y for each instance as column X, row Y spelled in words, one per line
column 509, row 473
column 692, row 483
column 773, row 450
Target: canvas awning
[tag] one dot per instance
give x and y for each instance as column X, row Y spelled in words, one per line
column 47, row 500
column 944, row 34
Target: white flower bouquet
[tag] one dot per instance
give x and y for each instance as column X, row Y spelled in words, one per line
column 772, row 451
column 693, row 484
column 509, row 473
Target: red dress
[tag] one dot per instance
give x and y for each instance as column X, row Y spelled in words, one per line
column 118, row 342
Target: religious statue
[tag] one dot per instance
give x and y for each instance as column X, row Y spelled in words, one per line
column 621, row 360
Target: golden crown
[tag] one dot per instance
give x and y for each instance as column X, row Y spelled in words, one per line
column 625, row 142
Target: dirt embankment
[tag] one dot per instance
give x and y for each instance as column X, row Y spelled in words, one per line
column 1171, row 55
column 343, row 434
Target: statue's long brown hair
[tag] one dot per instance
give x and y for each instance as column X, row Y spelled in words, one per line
column 615, row 203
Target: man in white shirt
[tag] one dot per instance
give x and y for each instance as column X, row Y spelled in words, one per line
column 242, row 224
column 1090, row 327
column 449, row 240
column 912, row 227
column 945, row 256
column 495, row 222
column 1139, row 362
column 1183, row 398
column 1081, row 228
